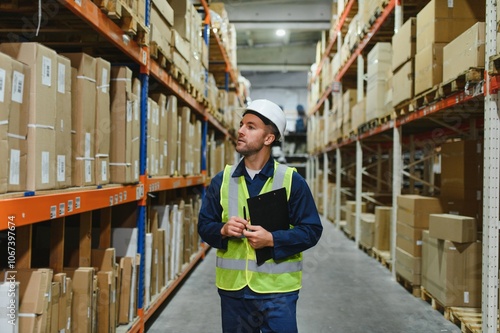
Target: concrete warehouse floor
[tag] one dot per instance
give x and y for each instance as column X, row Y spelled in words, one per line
column 344, row 291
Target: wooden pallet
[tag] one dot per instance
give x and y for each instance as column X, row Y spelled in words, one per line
column 426, row 296
column 468, row 319
column 383, row 257
column 405, row 107
column 365, row 127
column 427, row 97
column 415, row 290
column 365, row 249
column 472, row 75
column 494, row 65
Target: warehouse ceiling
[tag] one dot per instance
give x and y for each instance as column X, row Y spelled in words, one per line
column 263, row 54
column 256, row 23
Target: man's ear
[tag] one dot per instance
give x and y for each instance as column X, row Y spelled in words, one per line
column 270, row 138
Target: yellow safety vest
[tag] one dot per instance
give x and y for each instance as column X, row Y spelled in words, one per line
column 236, row 267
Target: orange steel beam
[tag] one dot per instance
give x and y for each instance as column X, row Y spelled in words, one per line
column 43, row 207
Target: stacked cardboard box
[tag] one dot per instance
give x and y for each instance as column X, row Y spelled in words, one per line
column 125, row 127
column 161, row 23
column 379, row 65
column 367, row 232
column 40, row 131
column 348, row 102
column 172, row 132
column 464, row 52
column 104, row 263
column 412, row 220
column 451, row 262
column 438, row 23
column 462, row 178
column 403, row 63
column 351, row 216
column 34, row 291
column 102, row 122
column 358, row 115
column 83, row 118
column 382, row 233
column 153, row 137
column 14, row 106
column 161, row 101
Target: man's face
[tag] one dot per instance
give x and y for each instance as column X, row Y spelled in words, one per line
column 253, row 135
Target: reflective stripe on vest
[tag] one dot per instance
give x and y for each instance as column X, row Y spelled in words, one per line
column 236, row 267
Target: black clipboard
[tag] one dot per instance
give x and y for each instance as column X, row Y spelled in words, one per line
column 270, row 211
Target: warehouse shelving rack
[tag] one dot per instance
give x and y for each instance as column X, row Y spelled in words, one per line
column 26, row 209
column 474, row 110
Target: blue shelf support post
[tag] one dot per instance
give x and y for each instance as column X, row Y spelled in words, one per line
column 141, row 213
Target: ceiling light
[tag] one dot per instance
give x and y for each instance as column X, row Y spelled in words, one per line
column 280, row 32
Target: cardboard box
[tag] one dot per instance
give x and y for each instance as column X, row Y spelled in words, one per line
column 18, row 127
column 6, row 63
column 126, row 268
column 63, row 123
column 64, row 316
column 358, row 115
column 122, row 115
column 105, row 302
column 83, row 289
column 429, row 67
column 461, row 169
column 464, row 52
column 54, row 307
column 414, row 210
column 186, row 134
column 181, row 45
column 41, row 161
column 160, row 35
column 172, row 123
column 367, row 222
column 163, row 8
column 404, row 43
column 375, row 97
column 136, row 129
column 409, row 239
column 379, row 60
column 161, row 101
column 351, row 215
column 408, row 266
column 442, row 21
column 34, row 290
column 382, row 233
column 451, row 272
column 102, row 122
column 403, row 87
column 349, row 99
column 83, row 118
column 153, row 117
column 182, row 17
column 455, row 228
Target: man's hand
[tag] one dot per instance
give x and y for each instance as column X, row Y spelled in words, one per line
column 258, row 237
column 234, row 227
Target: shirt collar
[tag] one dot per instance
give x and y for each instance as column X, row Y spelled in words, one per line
column 267, row 170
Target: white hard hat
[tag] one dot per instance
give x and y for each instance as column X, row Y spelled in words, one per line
column 271, row 111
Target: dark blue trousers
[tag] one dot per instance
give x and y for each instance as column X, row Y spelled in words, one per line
column 255, row 315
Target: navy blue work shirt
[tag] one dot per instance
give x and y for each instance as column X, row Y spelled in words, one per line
column 301, row 206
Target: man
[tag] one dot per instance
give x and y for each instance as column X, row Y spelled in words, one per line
column 258, row 298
